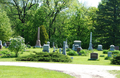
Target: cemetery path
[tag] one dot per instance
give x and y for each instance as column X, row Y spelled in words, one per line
column 77, row 70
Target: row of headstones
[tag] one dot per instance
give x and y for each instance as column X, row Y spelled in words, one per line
column 5, row 44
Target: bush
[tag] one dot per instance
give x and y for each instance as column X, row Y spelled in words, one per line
column 72, row 53
column 6, row 54
column 102, row 55
column 46, row 57
column 116, row 60
column 107, row 58
column 113, row 52
column 105, row 51
column 84, row 52
column 68, row 49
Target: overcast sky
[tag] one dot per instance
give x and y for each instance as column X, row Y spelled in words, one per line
column 93, row 3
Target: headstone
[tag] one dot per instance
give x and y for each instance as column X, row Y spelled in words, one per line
column 78, row 49
column 109, row 54
column 53, row 44
column 38, row 39
column 94, row 56
column 112, row 47
column 46, row 48
column 8, row 43
column 54, row 49
column 90, row 44
column 0, row 44
column 48, row 43
column 60, row 50
column 73, row 47
column 64, row 48
column 66, row 44
column 116, row 47
column 71, row 57
column 99, row 48
column 77, row 44
column 4, row 44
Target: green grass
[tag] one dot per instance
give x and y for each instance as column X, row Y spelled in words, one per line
column 29, row 72
column 76, row 59
column 115, row 72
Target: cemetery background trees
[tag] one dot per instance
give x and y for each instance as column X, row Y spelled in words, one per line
column 5, row 26
column 108, row 23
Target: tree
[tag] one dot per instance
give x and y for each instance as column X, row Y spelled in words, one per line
column 5, row 27
column 108, row 20
column 17, row 44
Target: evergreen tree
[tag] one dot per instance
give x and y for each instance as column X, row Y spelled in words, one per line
column 108, row 22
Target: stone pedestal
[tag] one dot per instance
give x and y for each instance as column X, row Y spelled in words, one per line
column 46, row 48
column 90, row 44
column 64, row 48
column 99, row 48
column 112, row 47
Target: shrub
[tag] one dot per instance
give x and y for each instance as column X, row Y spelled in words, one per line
column 47, row 57
column 84, row 52
column 105, row 51
column 102, row 55
column 6, row 54
column 68, row 49
column 116, row 60
column 72, row 53
column 107, row 58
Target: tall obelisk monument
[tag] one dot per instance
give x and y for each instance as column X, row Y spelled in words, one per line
column 38, row 39
column 90, row 44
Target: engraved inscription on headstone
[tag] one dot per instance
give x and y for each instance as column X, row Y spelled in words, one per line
column 94, row 56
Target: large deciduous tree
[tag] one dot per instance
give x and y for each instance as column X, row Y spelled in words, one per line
column 108, row 19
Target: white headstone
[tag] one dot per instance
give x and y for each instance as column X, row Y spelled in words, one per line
column 99, row 48
column 46, row 48
column 90, row 44
column 60, row 50
column 112, row 47
column 109, row 54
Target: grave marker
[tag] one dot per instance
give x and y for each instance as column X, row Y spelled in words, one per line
column 38, row 39
column 94, row 56
column 46, row 48
column 64, row 48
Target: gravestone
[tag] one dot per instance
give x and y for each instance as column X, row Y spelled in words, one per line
column 112, row 47
column 90, row 44
column 94, row 56
column 46, row 48
column 60, row 50
column 78, row 49
column 48, row 43
column 99, row 48
column 116, row 47
column 8, row 43
column 64, row 48
column 0, row 44
column 5, row 44
column 73, row 47
column 76, row 44
column 109, row 54
column 66, row 44
column 53, row 44
column 54, row 49
column 38, row 39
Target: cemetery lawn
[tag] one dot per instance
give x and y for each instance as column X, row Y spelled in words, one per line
column 29, row 72
column 76, row 59
column 115, row 72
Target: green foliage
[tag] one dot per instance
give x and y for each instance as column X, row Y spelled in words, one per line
column 113, row 52
column 7, row 54
column 5, row 26
column 47, row 57
column 102, row 55
column 116, row 60
column 17, row 44
column 107, row 58
column 44, row 36
column 108, row 23
column 72, row 53
column 84, row 52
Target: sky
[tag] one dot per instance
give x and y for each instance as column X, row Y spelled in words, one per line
column 93, row 3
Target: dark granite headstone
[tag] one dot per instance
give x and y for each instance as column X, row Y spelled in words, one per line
column 8, row 43
column 0, row 46
column 94, row 56
column 78, row 49
column 116, row 47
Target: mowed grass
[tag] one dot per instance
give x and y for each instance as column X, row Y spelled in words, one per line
column 30, row 72
column 115, row 72
column 76, row 59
